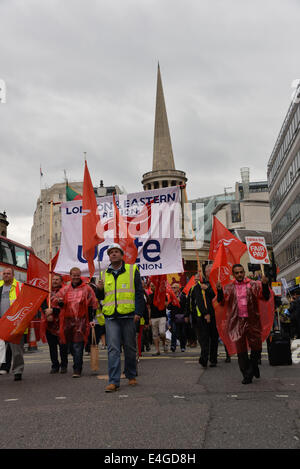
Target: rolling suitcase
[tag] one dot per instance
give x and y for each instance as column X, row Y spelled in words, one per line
column 279, row 348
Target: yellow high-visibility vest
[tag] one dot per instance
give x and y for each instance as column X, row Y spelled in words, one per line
column 14, row 290
column 119, row 295
column 100, row 317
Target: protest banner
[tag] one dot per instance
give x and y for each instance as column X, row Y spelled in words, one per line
column 153, row 219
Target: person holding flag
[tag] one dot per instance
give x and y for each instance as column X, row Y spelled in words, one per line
column 78, row 305
column 50, row 328
column 201, row 308
column 9, row 291
column 177, row 308
column 122, row 297
column 158, row 301
column 243, row 321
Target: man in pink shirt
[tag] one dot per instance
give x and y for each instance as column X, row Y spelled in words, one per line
column 243, row 322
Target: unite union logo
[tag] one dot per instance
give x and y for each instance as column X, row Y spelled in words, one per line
column 20, row 314
column 39, row 282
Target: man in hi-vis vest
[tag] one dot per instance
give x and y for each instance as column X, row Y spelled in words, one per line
column 9, row 290
column 122, row 299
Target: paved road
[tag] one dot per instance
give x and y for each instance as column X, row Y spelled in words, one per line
column 176, row 405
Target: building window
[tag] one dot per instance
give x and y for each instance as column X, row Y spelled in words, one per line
column 156, row 185
column 286, row 183
column 165, row 184
column 290, row 217
column 235, row 212
column 289, row 254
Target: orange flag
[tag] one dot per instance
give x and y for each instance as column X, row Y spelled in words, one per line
column 220, row 270
column 234, row 248
column 18, row 316
column 122, row 237
column 92, row 229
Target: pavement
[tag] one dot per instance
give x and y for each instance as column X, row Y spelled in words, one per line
column 176, row 405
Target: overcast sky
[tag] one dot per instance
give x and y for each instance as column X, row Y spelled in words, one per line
column 81, row 77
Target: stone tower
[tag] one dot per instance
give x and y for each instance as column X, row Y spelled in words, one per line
column 3, row 224
column 163, row 172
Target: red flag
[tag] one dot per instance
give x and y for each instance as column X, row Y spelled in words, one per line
column 234, row 247
column 18, row 316
column 220, row 269
column 172, row 297
column 189, row 285
column 92, row 229
column 122, row 236
column 38, row 271
column 160, row 283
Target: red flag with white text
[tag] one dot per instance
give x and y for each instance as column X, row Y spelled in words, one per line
column 234, row 248
column 19, row 315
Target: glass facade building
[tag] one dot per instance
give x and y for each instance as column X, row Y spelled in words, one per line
column 284, row 188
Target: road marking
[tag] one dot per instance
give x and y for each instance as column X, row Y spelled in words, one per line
column 123, row 395
column 60, row 397
column 179, row 397
column 10, row 400
column 282, row 395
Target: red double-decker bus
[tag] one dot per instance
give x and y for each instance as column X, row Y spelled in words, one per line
column 16, row 255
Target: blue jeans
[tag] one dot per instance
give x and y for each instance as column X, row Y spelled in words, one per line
column 121, row 332
column 76, row 349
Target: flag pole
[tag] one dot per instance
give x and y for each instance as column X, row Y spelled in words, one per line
column 50, row 252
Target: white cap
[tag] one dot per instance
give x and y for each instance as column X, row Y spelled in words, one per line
column 115, row 246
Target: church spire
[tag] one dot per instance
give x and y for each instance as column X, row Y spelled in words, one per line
column 162, row 149
column 163, row 172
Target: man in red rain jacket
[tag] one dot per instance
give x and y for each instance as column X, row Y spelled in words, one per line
column 78, row 308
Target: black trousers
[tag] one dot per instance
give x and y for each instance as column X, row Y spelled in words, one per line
column 249, row 365
column 53, row 342
column 207, row 334
column 191, row 333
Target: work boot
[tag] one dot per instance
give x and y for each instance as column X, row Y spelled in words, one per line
column 132, row 382
column 112, row 388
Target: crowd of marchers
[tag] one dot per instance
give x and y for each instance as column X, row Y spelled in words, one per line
column 122, row 309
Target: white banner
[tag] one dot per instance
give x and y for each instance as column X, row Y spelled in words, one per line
column 153, row 219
